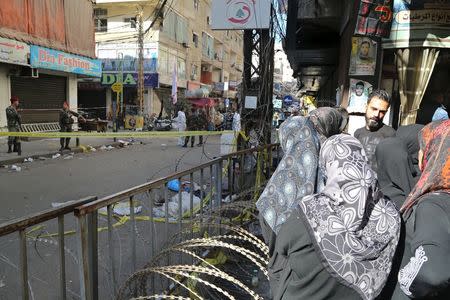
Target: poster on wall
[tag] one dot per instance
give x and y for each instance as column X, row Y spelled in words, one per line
column 363, row 59
column 359, row 93
column 374, row 18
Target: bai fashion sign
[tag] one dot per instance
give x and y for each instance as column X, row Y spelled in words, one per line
column 45, row 58
column 240, row 14
column 14, row 52
column 151, row 80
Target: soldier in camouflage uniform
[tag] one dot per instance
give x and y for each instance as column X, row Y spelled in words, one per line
column 14, row 122
column 65, row 122
column 202, row 125
column 192, row 125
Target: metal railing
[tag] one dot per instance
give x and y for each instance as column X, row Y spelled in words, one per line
column 104, row 261
column 20, row 225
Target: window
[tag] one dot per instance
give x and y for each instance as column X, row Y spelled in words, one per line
column 195, row 39
column 101, row 25
column 130, row 21
column 207, row 20
column 176, row 27
column 196, row 3
column 100, row 20
column 207, row 45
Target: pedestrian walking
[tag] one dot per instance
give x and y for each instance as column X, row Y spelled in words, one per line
column 236, row 125
column 65, row 122
column 425, row 268
column 180, row 120
column 14, row 122
column 370, row 136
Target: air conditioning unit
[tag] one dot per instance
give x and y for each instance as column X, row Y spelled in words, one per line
column 205, row 69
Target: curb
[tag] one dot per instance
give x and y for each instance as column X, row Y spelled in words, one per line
column 20, row 159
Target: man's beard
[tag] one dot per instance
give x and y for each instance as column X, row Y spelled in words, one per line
column 374, row 123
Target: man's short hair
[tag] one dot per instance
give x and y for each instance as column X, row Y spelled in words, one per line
column 364, row 42
column 382, row 94
column 360, row 83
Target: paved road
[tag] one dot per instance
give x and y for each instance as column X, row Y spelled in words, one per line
column 101, row 173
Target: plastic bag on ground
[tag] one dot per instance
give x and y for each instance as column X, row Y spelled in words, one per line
column 173, row 205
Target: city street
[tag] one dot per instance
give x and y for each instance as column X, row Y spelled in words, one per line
column 100, row 173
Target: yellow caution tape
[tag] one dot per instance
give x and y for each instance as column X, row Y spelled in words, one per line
column 131, row 134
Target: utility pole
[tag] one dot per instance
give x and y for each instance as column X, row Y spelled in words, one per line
column 141, row 59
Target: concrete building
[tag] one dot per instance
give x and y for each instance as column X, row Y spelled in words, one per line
column 41, row 59
column 181, row 38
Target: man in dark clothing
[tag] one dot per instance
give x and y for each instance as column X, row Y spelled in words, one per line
column 374, row 131
column 65, row 122
column 202, row 125
column 191, row 124
column 14, row 122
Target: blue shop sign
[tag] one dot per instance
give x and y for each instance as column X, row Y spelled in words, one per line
column 46, row 58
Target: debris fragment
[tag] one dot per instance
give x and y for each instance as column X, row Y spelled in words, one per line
column 30, row 159
column 16, row 168
column 55, row 156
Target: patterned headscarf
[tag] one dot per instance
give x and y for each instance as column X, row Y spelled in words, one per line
column 295, row 176
column 328, row 121
column 434, row 141
column 353, row 227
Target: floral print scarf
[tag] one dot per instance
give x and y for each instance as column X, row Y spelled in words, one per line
column 355, row 229
column 296, row 174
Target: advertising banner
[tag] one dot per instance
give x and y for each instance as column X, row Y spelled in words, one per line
column 240, row 14
column 14, row 52
column 363, row 59
column 151, row 80
column 424, row 23
column 46, row 58
column 374, row 18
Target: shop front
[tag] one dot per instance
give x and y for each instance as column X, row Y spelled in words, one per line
column 51, row 80
column 416, row 60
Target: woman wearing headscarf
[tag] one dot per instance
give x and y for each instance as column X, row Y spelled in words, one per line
column 425, row 271
column 410, row 135
column 339, row 242
column 295, row 176
column 396, row 173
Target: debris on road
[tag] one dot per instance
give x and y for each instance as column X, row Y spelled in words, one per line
column 68, row 157
column 16, row 168
column 55, row 156
column 163, row 146
column 122, row 209
column 30, row 159
column 42, row 158
column 173, row 206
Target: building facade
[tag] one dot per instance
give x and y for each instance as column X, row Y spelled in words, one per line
column 180, row 41
column 43, row 52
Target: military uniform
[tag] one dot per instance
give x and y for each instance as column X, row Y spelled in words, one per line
column 65, row 122
column 202, row 125
column 14, row 122
column 192, row 124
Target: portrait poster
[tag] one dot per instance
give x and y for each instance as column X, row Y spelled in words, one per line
column 359, row 92
column 363, row 58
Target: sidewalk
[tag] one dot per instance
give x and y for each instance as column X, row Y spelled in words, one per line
column 46, row 148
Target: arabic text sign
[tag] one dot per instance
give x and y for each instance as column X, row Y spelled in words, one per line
column 14, row 52
column 240, row 14
column 45, row 58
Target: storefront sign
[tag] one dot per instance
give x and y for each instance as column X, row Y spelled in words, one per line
column 60, row 61
column 363, row 59
column 14, row 52
column 151, row 80
column 424, row 23
column 374, row 18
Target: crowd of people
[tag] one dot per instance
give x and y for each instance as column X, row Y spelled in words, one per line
column 359, row 217
column 198, row 120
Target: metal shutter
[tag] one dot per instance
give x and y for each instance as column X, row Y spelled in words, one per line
column 40, row 98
